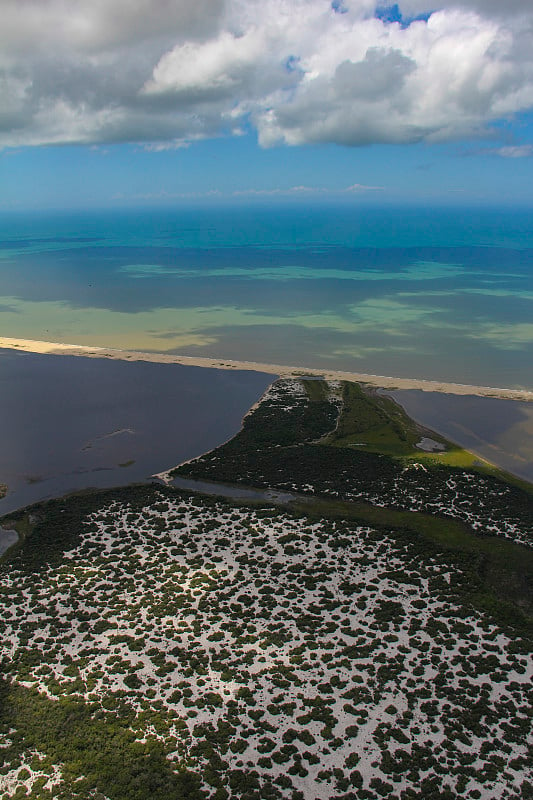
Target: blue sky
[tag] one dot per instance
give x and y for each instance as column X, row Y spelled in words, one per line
column 235, row 170
column 153, row 103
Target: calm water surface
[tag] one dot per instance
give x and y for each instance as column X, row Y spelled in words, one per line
column 70, row 423
column 499, row 430
column 423, row 293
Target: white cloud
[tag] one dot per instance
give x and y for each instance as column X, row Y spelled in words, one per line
column 291, row 190
column 360, row 187
column 515, row 151
column 165, row 73
column 488, row 7
column 251, row 192
column 309, row 190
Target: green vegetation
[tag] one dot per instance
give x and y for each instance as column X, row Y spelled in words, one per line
column 274, row 424
column 374, row 423
column 341, row 477
column 370, row 639
column 161, row 608
column 97, row 751
column 49, row 528
column 279, row 448
column 500, row 572
column 297, row 441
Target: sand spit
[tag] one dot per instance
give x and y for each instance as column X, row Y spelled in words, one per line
column 383, row 381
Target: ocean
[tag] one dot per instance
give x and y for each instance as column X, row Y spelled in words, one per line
column 443, row 294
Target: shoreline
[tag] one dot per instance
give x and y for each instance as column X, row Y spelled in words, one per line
column 383, row 381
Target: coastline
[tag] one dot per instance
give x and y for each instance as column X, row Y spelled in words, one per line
column 284, row 371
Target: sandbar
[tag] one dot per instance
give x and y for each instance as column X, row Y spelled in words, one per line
column 383, row 381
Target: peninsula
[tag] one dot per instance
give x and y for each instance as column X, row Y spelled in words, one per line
column 360, row 630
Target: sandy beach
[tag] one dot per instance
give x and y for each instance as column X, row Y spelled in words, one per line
column 383, row 381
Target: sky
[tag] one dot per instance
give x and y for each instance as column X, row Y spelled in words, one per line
column 111, row 103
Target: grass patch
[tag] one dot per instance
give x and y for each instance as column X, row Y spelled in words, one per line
column 454, row 457
column 317, row 390
column 376, row 424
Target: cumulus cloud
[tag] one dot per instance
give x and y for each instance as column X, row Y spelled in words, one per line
column 168, row 72
column 489, row 7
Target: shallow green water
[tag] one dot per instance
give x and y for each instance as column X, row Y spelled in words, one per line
column 427, row 293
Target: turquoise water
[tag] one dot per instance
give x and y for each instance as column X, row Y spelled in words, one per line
column 424, row 293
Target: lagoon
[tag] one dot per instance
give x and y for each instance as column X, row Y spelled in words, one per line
column 498, row 430
column 70, row 423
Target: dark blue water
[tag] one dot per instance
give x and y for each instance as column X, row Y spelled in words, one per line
column 427, row 293
column 70, row 423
